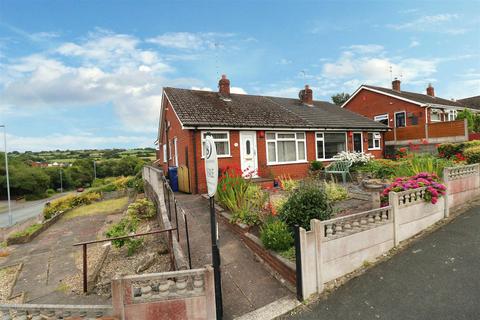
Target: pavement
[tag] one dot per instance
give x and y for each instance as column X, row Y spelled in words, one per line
column 24, row 210
column 246, row 284
column 436, row 277
column 49, row 258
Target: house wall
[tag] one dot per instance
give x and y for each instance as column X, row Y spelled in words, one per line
column 371, row 104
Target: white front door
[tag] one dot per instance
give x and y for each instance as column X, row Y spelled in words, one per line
column 248, row 152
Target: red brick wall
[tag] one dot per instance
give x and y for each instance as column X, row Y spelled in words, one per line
column 371, row 104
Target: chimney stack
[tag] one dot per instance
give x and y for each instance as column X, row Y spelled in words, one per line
column 224, row 87
column 396, row 84
column 430, row 90
column 306, row 95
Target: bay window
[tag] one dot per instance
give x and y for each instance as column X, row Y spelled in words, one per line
column 222, row 142
column 286, row 147
column 452, row 115
column 436, row 115
column 374, row 141
column 330, row 144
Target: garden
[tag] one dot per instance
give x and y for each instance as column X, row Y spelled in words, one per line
column 270, row 214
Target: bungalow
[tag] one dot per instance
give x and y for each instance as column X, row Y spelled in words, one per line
column 270, row 135
column 414, row 117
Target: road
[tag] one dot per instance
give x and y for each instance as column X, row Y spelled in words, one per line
column 25, row 210
column 438, row 277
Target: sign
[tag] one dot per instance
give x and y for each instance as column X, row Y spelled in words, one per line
column 211, row 165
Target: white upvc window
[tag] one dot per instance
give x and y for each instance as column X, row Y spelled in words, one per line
column 452, row 114
column 435, row 115
column 374, row 141
column 382, row 118
column 329, row 144
column 164, row 153
column 222, row 142
column 286, row 147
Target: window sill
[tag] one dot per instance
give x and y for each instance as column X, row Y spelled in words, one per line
column 285, row 163
column 373, row 149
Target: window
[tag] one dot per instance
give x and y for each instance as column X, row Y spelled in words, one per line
column 452, row 115
column 222, row 143
column 400, row 119
column 285, row 147
column 374, row 141
column 165, row 153
column 330, row 144
column 169, row 150
column 435, row 115
column 383, row 118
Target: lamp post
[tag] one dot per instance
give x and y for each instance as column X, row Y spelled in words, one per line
column 61, row 182
column 10, row 218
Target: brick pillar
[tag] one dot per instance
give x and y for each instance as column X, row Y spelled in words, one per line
column 117, row 298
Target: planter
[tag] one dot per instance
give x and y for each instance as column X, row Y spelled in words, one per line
column 374, row 184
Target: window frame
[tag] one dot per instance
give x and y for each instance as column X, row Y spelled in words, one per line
column 164, row 147
column 323, row 143
column 453, row 112
column 295, row 139
column 437, row 112
column 379, row 139
column 375, row 118
column 395, row 118
column 227, row 140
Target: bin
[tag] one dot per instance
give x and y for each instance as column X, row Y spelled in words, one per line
column 173, row 176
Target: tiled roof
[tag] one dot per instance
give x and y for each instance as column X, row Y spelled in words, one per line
column 208, row 109
column 472, row 102
column 417, row 97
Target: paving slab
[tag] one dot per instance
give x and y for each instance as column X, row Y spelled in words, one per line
column 246, row 284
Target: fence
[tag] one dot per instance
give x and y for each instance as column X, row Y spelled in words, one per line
column 187, row 294
column 54, row 311
column 434, row 132
column 336, row 247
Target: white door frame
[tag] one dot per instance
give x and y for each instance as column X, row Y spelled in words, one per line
column 176, row 151
column 353, row 140
column 253, row 151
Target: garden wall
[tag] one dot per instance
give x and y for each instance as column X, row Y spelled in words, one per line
column 336, row 247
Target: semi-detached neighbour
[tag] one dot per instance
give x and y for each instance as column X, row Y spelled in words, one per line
column 270, row 135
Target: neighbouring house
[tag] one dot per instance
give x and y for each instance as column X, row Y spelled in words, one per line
column 422, row 119
column 472, row 102
column 270, row 135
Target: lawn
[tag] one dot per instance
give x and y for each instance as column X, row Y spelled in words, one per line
column 101, row 207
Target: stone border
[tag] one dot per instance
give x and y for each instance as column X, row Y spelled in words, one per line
column 27, row 238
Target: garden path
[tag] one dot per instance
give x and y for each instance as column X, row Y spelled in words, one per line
column 246, row 284
column 49, row 258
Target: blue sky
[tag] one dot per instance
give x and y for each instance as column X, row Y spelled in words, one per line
column 89, row 74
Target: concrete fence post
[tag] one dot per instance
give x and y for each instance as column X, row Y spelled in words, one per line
column 393, row 201
column 117, row 298
column 210, row 293
column 316, row 226
column 304, row 263
column 465, row 124
column 446, row 180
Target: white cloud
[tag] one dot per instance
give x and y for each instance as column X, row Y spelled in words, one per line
column 201, row 88
column 443, row 23
column 366, row 48
column 284, row 61
column 73, row 142
column 191, row 41
column 414, row 43
column 237, row 90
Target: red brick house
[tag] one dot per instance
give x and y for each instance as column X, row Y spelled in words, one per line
column 414, row 118
column 273, row 136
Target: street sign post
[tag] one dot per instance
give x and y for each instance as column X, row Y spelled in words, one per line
column 211, row 172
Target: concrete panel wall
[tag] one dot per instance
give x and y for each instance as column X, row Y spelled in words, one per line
column 416, row 218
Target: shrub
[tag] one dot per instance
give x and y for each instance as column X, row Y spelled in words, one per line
column 381, row 168
column 449, row 150
column 124, row 227
column 276, row 236
column 316, row 165
column 356, row 158
column 416, row 164
column 242, row 197
column 472, row 154
column 50, row 192
column 287, row 183
column 69, row 202
column 142, row 209
column 335, row 192
column 433, row 192
column 27, row 231
column 305, row 203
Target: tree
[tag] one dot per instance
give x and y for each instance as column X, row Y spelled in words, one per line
column 473, row 119
column 340, row 98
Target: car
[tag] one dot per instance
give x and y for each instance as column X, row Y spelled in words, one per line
column 80, row 189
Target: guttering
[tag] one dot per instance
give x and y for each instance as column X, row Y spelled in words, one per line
column 285, row 128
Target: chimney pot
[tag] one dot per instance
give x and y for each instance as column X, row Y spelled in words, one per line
column 430, row 90
column 396, row 84
column 224, row 86
column 306, row 95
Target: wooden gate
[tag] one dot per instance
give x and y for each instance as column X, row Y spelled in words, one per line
column 183, row 179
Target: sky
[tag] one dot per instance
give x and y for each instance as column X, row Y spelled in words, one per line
column 89, row 74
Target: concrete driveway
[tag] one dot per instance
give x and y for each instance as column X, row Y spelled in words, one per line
column 438, row 277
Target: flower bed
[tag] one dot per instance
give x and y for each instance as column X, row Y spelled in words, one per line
column 434, row 189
